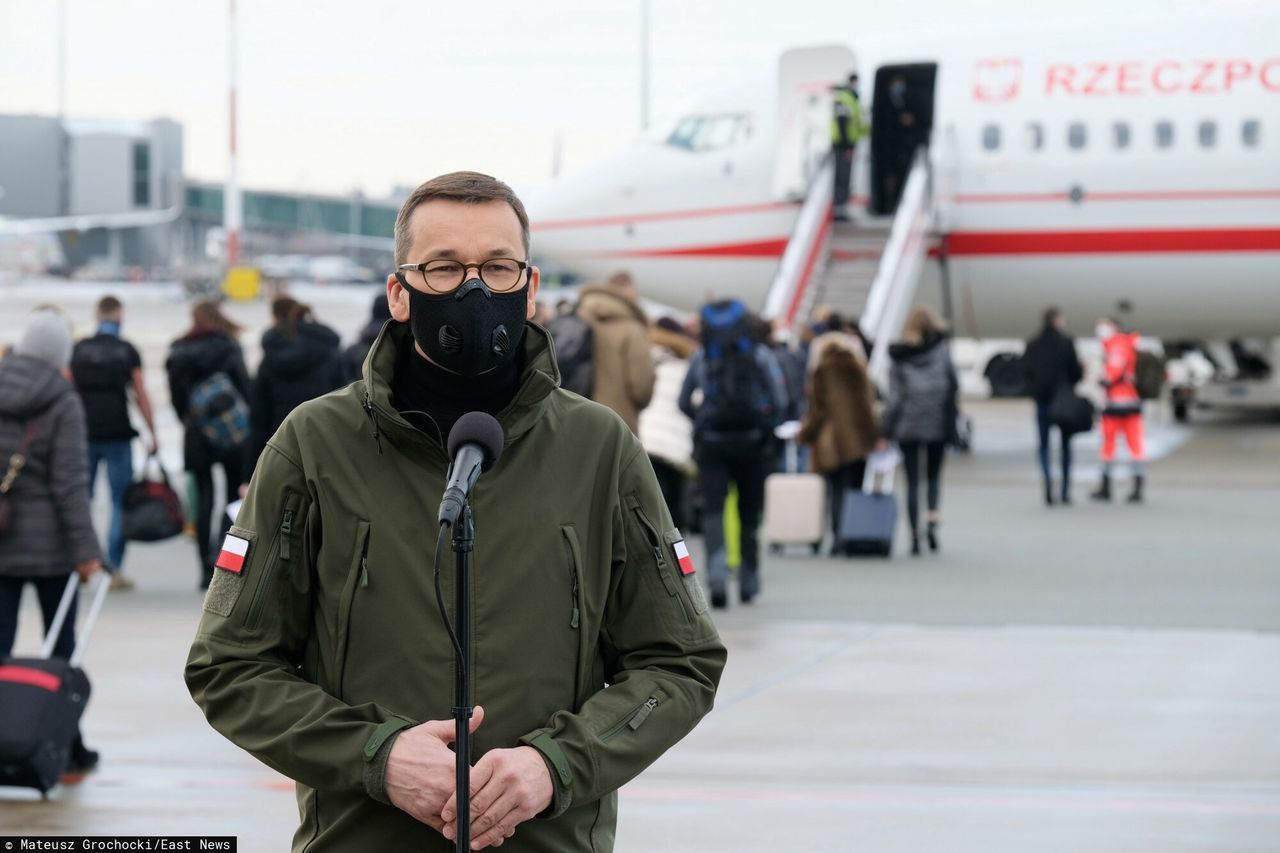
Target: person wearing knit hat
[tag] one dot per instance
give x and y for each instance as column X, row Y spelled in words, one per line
column 46, row 336
column 50, row 534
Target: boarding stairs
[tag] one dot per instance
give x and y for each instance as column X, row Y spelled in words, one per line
column 857, row 269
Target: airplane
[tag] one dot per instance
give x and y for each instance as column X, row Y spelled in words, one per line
column 1123, row 168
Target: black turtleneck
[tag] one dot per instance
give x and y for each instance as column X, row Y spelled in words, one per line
column 432, row 399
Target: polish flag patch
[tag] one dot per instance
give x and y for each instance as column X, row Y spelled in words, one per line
column 682, row 557
column 234, row 549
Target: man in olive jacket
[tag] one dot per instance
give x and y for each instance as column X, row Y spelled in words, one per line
column 321, row 651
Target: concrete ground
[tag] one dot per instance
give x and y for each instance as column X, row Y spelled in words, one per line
column 1092, row 678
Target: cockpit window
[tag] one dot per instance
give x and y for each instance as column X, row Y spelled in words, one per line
column 709, row 132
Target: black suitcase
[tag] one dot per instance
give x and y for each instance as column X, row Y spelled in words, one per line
column 41, row 702
column 867, row 522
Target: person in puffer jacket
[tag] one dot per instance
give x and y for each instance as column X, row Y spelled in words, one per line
column 920, row 414
column 1122, row 413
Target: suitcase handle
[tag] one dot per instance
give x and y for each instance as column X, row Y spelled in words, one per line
column 99, row 595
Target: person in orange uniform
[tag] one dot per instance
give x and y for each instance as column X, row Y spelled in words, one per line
column 1122, row 413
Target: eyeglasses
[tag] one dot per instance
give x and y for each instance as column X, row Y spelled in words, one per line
column 444, row 276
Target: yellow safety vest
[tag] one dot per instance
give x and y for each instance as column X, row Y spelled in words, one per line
column 847, row 106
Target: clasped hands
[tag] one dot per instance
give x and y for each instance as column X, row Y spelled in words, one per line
column 508, row 786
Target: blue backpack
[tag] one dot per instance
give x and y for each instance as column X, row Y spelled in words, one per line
column 735, row 388
column 217, row 408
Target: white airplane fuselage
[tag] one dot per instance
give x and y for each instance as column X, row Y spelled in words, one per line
column 1118, row 170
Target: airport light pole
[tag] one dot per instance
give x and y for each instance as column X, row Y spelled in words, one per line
column 644, row 65
column 232, row 209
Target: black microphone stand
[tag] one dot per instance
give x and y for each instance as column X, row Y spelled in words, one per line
column 464, row 542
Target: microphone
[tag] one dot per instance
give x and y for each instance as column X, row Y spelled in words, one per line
column 475, row 443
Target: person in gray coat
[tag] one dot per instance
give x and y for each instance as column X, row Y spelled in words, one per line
column 50, row 533
column 920, row 414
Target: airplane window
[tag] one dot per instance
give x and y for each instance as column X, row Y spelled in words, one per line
column 707, row 133
column 1035, row 136
column 1251, row 132
column 1164, row 134
column 1076, row 135
column 686, row 132
column 1120, row 134
column 991, row 137
column 1207, row 132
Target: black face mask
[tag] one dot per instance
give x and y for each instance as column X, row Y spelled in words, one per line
column 471, row 331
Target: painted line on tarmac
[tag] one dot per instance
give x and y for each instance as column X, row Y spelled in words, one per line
column 809, row 663
column 1062, row 801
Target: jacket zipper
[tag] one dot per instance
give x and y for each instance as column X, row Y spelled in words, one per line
column 632, row 721
column 574, row 613
column 280, row 551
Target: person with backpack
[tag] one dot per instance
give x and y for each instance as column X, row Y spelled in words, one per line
column 301, row 360
column 735, row 394
column 920, row 414
column 208, row 385
column 1122, row 412
column 353, row 356
column 105, row 369
column 45, row 528
column 623, row 372
column 1052, row 366
column 574, row 342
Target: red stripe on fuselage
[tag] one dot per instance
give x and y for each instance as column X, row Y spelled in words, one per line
column 1117, row 195
column 1163, row 241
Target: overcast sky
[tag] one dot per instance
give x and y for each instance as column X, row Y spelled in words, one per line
column 344, row 94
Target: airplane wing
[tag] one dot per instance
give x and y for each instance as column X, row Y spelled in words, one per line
column 88, row 221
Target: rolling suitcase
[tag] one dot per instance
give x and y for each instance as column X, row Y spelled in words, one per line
column 869, row 517
column 41, row 702
column 794, row 507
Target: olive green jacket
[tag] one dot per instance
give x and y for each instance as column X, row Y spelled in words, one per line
column 590, row 643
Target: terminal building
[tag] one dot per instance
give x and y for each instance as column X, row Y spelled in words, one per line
column 59, row 169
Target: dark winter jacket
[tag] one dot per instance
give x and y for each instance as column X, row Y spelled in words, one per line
column 353, row 356
column 293, row 371
column 1051, row 362
column 922, row 392
column 196, row 356
column 51, row 530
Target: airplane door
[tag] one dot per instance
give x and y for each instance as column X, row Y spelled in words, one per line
column 805, row 79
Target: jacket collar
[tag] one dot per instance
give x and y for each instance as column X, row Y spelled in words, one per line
column 541, row 376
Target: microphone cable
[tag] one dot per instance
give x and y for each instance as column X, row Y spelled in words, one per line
column 445, row 529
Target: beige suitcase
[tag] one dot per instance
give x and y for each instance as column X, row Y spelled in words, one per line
column 794, row 510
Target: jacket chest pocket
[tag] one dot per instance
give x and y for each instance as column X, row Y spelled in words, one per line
column 664, row 567
column 357, row 578
column 575, row 610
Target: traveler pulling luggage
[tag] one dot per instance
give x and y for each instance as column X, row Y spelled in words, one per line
column 42, row 700
column 870, row 516
column 793, row 503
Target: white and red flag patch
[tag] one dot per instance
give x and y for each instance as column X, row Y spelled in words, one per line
column 234, row 549
column 682, row 557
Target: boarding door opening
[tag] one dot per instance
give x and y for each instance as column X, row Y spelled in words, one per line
column 901, row 121
column 807, row 77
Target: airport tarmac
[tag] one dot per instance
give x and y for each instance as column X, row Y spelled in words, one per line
column 1092, row 678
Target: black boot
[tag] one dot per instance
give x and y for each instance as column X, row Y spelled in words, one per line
column 1048, row 492
column 1135, row 497
column 931, row 532
column 1066, row 493
column 915, row 543
column 1104, row 490
column 719, row 598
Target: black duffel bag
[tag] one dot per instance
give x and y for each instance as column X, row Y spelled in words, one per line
column 1070, row 412
column 152, row 509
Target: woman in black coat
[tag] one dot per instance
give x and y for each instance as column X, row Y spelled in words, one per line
column 1052, row 365
column 208, row 348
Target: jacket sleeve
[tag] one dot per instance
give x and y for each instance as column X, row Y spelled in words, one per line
column 69, row 480
column 179, row 388
column 663, row 657
column 777, row 382
column 692, row 379
column 259, row 399
column 251, row 667
column 1075, row 372
column 641, row 374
